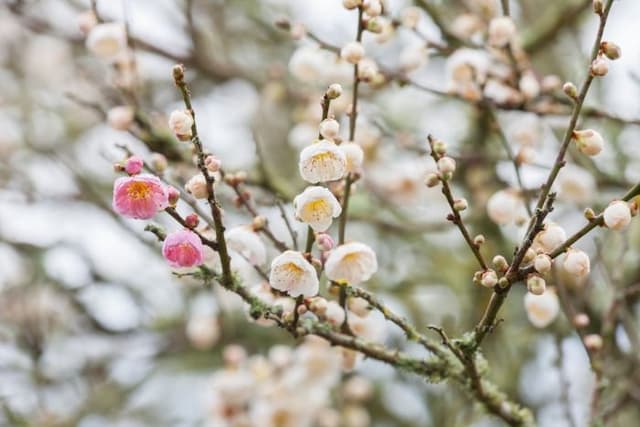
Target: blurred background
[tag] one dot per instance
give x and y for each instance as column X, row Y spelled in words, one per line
column 95, row 330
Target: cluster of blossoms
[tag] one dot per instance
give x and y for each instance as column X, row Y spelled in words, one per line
column 287, row 387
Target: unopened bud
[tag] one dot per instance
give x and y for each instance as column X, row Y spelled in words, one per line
column 503, row 283
column 589, row 214
column 133, row 165
column 599, row 67
column 352, row 52
column 334, row 91
column 212, row 163
column 479, row 240
column 581, row 320
column 440, row 147
column 589, row 141
column 375, row 25
column 460, row 204
column 598, row 6
column 500, row 263
column 329, row 128
column 432, row 180
column 324, row 241
column 536, row 284
column 351, row 4
column 489, row 279
column 570, row 90
column 178, row 73
column 611, row 50
column 258, row 223
column 593, row 342
column 159, row 162
column 542, row 263
column 173, row 196
column 446, row 165
column 191, row 220
column 529, row 255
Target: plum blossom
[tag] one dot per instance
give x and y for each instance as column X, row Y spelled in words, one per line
column 293, row 274
column 542, row 309
column 107, row 41
column 183, row 248
column 317, row 206
column 248, row 244
column 617, row 215
column 139, row 196
column 353, row 263
column 322, row 161
column 577, row 263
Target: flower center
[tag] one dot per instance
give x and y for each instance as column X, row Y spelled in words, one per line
column 138, row 191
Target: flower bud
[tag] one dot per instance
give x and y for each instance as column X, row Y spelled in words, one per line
column 121, row 117
column 178, row 73
column 440, row 147
column 503, row 283
column 489, row 279
column 334, row 91
column 174, row 196
column 599, row 67
column 570, row 90
column 577, row 263
column 432, row 180
column 460, row 204
column 180, row 122
column 411, row 17
column 192, row 220
column 598, row 6
column 501, row 31
column 318, row 305
column 479, row 240
column 258, row 223
column 351, row 4
column 373, row 8
column 589, row 141
column 581, row 320
column 86, row 21
column 352, row 52
column 446, row 165
column 212, row 163
column 536, row 284
column 550, row 83
column 589, row 214
column 133, row 165
column 593, row 342
column 617, row 215
column 500, row 263
column 529, row 256
column 298, row 31
column 118, row 167
column 324, row 241
column 542, row 263
column 329, row 128
column 611, row 50
column 197, row 187
column 159, row 162
column 375, row 25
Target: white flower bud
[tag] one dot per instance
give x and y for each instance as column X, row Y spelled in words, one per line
column 121, row 117
column 577, row 263
column 446, row 165
column 617, row 215
column 610, row 50
column 460, row 204
column 529, row 85
column 589, row 141
column 197, row 187
column 489, row 279
column 329, row 128
column 536, row 284
column 298, row 31
column 550, row 238
column 570, row 90
column 246, row 242
column 581, row 320
column 542, row 263
column 180, row 122
column 352, row 52
column 334, row 91
column 501, row 31
column 351, row 4
column 593, row 342
column 432, row 180
column 367, row 69
column 107, row 41
column 500, row 262
column 502, row 207
column 599, row 67
column 373, row 8
column 86, row 21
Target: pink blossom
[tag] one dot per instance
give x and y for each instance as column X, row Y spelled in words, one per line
column 133, row 165
column 139, row 196
column 183, row 249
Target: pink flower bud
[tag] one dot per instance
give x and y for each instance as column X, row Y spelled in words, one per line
column 489, row 279
column 212, row 163
column 324, row 242
column 133, row 165
column 174, row 196
column 192, row 220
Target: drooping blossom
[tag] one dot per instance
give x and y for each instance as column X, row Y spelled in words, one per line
column 542, row 309
column 316, row 206
column 322, row 161
column 139, row 196
column 353, row 263
column 293, row 274
column 183, row 248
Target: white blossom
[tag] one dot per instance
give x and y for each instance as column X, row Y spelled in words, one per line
column 293, row 274
column 542, row 309
column 351, row 262
column 316, row 206
column 107, row 41
column 322, row 161
column 577, row 263
column 247, row 243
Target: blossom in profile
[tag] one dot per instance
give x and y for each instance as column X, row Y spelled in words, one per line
column 293, row 274
column 322, row 161
column 107, row 41
column 353, row 263
column 248, row 244
column 542, row 309
column 589, row 141
column 139, row 196
column 317, row 206
column 354, row 154
column 183, row 248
